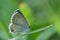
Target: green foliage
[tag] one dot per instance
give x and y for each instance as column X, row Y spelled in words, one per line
column 42, row 15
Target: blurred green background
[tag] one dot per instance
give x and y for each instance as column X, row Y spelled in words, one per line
column 39, row 13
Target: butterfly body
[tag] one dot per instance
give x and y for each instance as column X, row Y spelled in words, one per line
column 18, row 23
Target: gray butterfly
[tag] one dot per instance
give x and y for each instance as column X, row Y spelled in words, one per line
column 18, row 23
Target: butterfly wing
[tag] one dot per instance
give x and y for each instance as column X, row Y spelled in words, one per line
column 18, row 22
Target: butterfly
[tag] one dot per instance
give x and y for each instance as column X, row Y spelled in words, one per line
column 18, row 23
